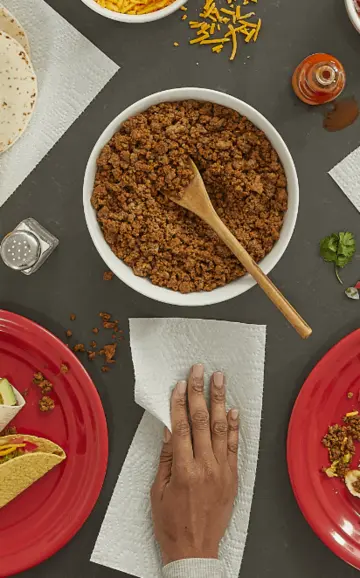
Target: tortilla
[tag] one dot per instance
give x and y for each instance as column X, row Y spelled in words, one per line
column 18, row 91
column 19, row 473
column 12, row 27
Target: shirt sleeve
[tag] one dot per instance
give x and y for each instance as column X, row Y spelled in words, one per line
column 194, row 568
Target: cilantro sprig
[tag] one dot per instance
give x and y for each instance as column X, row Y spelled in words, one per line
column 338, row 248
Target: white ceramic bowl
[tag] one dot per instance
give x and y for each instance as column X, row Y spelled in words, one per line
column 234, row 288
column 353, row 14
column 132, row 19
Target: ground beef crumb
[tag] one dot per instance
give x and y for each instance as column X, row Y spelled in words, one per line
column 79, row 347
column 38, row 377
column 46, row 403
column 105, row 368
column 72, row 317
column 109, row 351
column 68, row 333
column 108, row 275
column 91, row 355
column 350, row 395
column 93, row 344
column 10, row 430
column 95, row 330
column 105, row 316
column 148, row 159
column 64, row 368
column 45, row 386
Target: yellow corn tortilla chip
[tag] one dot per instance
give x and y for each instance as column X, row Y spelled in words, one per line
column 20, row 473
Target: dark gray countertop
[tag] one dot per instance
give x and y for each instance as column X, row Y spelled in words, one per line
column 280, row 542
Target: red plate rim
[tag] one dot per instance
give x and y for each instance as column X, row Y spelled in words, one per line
column 305, row 506
column 78, row 520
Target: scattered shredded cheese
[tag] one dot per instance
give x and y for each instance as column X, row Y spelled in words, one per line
column 234, row 41
column 213, row 19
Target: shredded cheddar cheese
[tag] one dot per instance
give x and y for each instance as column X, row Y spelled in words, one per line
column 135, row 7
column 214, row 18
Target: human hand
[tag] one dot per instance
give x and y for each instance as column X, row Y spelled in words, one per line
column 197, row 481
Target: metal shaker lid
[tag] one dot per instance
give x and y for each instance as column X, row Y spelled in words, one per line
column 20, row 250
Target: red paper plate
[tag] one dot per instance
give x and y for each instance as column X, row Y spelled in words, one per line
column 329, row 508
column 46, row 516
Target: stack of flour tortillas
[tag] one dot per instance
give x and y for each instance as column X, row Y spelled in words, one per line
column 18, row 86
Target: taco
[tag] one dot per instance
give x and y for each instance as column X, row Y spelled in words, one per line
column 24, row 460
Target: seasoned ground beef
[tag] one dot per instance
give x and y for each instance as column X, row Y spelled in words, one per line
column 147, row 161
column 339, row 442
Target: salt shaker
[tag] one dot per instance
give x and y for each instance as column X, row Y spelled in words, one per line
column 27, row 247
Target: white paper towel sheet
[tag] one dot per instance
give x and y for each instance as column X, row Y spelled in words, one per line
column 163, row 351
column 347, row 175
column 71, row 71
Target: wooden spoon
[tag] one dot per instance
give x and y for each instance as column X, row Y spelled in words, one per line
column 196, row 200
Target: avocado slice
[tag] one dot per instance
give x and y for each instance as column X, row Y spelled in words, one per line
column 7, row 395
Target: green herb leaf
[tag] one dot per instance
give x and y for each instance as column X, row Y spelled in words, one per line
column 339, row 249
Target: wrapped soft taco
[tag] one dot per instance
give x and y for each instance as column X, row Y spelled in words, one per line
column 11, row 402
column 24, row 460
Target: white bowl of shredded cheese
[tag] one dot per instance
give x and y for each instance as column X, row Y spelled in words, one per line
column 132, row 12
column 144, row 285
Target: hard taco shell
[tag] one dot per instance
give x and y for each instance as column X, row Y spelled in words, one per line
column 19, row 473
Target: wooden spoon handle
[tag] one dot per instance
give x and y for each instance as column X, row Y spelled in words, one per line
column 263, row 280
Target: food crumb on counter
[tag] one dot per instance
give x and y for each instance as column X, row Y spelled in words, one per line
column 108, row 275
column 68, row 333
column 176, row 43
column 95, row 330
column 46, row 403
column 72, row 317
column 105, row 368
column 91, row 355
column 105, row 316
column 79, row 347
column 109, row 351
column 93, row 344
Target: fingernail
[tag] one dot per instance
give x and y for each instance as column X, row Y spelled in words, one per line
column 234, row 414
column 181, row 387
column 198, row 370
column 218, row 378
column 167, row 435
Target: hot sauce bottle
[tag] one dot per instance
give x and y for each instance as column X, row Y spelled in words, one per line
column 318, row 79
